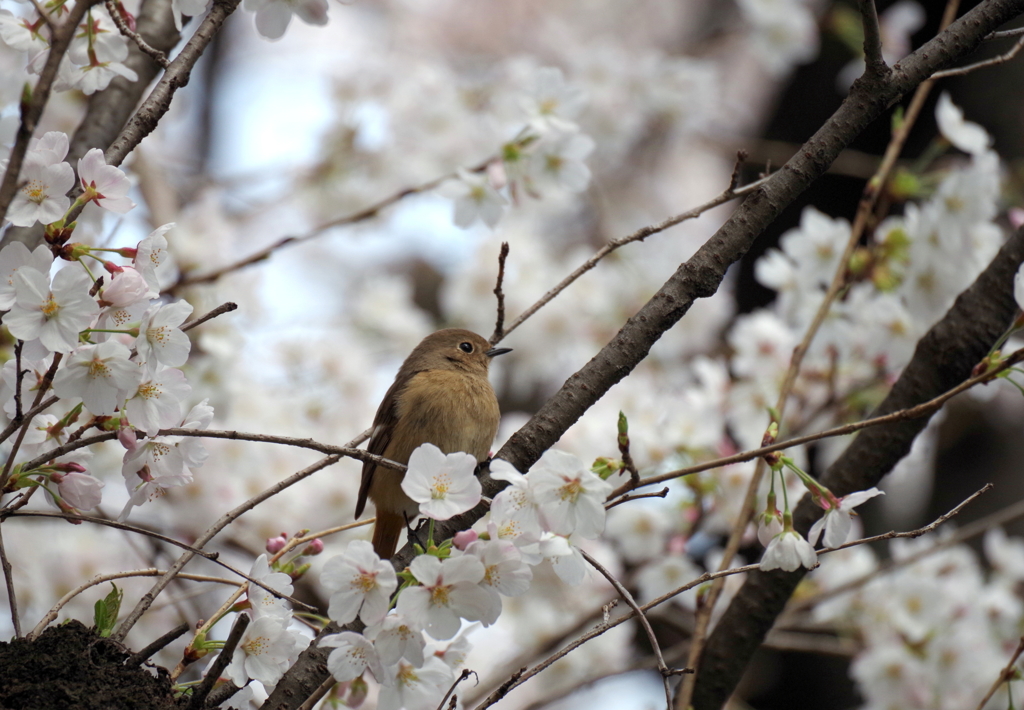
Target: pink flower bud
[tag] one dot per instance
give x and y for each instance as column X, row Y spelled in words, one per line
column 128, row 252
column 112, row 268
column 276, row 544
column 69, row 467
column 463, row 538
column 315, row 547
column 126, row 435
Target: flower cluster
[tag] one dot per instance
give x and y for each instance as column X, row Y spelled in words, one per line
column 96, row 55
column 536, row 517
column 109, row 349
column 548, row 153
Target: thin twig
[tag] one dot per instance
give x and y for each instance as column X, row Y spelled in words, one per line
column 12, row 599
column 147, row 600
column 734, row 179
column 170, row 637
column 930, row 527
column 218, row 311
column 1003, row 34
column 212, row 556
column 1006, row 675
column 220, row 663
column 966, row 532
column 651, row 636
column 244, row 587
column 122, row 26
column 353, row 218
column 636, row 496
column 318, row 694
column 350, row 452
column 499, row 325
column 523, row 676
column 874, row 63
column 19, row 377
column 102, row 578
column 44, row 385
column 637, row 236
column 1001, row 59
column 466, row 673
column 914, row 412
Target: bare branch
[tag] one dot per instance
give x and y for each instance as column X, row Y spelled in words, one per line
column 157, row 644
column 873, row 61
column 908, row 414
column 1006, row 675
column 466, row 673
column 348, row 451
column 100, row 579
column 218, row 311
column 12, row 599
column 122, row 27
column 220, row 663
column 638, row 236
column 651, row 636
column 43, row 386
column 211, row 556
column 499, row 324
column 1001, row 59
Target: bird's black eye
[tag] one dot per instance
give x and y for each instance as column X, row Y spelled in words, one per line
column 466, row 347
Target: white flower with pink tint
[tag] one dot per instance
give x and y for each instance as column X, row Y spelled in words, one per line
column 450, row 589
column 13, row 257
column 102, row 375
column 79, row 490
column 157, row 402
column 352, row 655
column 274, row 16
column 106, row 185
column 570, row 496
column 55, row 314
column 360, row 583
column 160, row 336
column 443, row 485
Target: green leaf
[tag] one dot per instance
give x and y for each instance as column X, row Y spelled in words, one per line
column 107, row 610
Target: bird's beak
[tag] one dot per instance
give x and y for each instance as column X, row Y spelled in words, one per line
column 495, row 352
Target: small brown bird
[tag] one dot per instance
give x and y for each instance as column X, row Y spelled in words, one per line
column 440, row 396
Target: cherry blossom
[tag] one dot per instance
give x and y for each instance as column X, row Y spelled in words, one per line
column 570, row 496
column 150, row 254
column 156, row 403
column 788, row 551
column 273, row 16
column 412, row 688
column 450, row 589
column 836, row 522
column 126, row 288
column 475, row 199
column 553, row 103
column 160, row 337
column 106, row 185
column 21, row 33
column 266, row 651
column 352, row 654
column 79, row 490
column 264, row 603
column 397, row 637
column 504, row 570
column 965, row 135
column 557, row 160
column 360, row 583
column 54, row 314
column 100, row 374
column 14, row 256
column 41, row 197
column 443, row 485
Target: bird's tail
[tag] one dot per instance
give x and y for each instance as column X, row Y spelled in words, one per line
column 386, row 532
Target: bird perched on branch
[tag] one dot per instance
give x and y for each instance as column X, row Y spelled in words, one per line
column 440, row 396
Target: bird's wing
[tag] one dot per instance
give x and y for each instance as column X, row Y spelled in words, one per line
column 383, row 428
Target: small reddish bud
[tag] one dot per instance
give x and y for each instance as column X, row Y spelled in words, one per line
column 315, row 547
column 276, row 544
column 463, row 539
column 112, row 268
